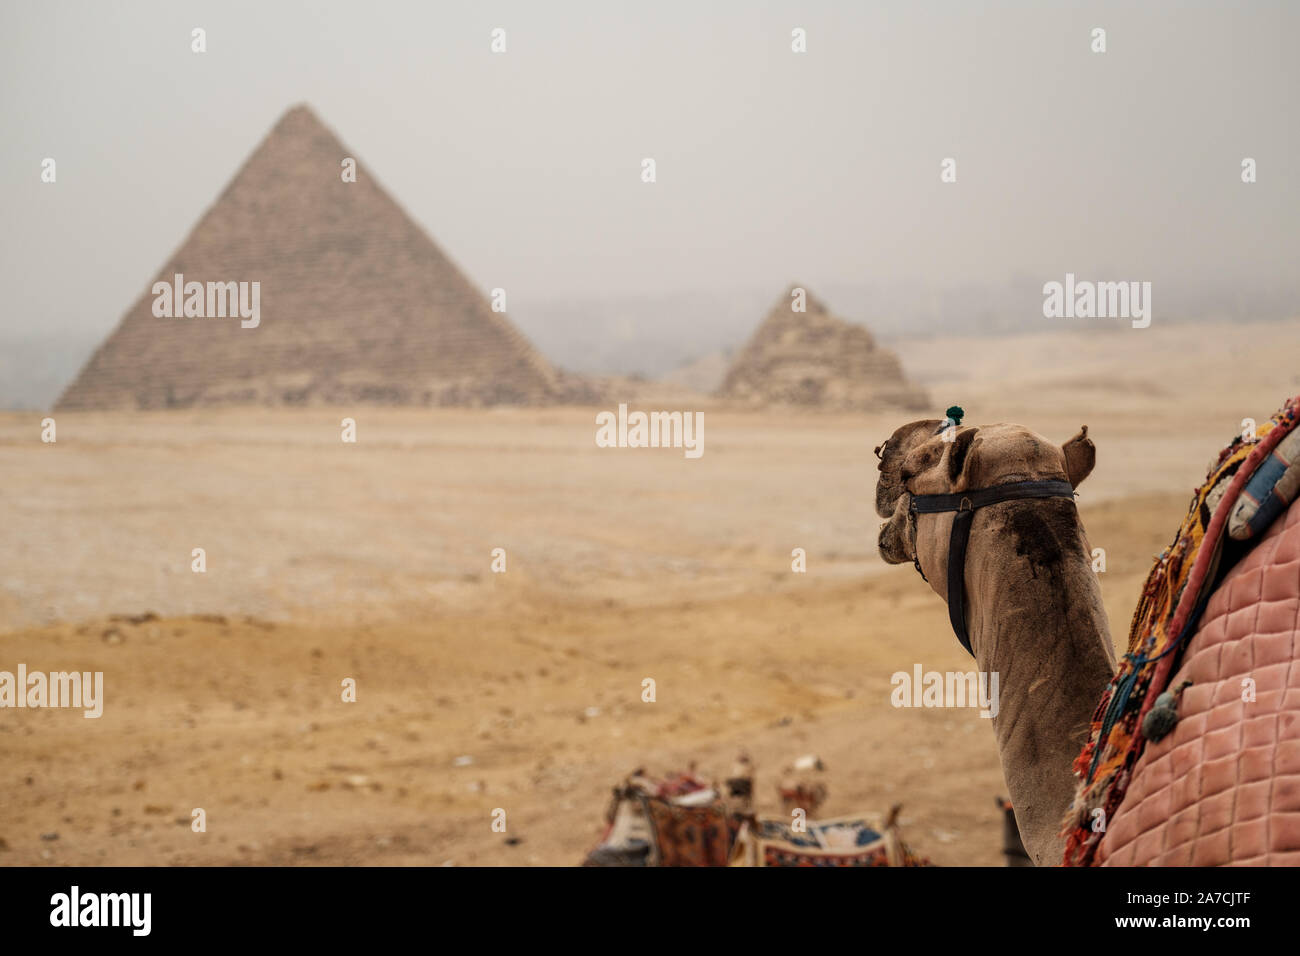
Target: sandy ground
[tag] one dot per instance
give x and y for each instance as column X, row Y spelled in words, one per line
column 372, row 561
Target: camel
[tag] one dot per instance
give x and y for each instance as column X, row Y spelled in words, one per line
column 1216, row 781
column 1033, row 605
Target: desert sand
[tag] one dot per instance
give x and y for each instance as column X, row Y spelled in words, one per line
column 522, row 690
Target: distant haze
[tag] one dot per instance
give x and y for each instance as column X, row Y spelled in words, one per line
column 773, row 167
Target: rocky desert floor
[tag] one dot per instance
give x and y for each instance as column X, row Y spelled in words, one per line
column 522, row 690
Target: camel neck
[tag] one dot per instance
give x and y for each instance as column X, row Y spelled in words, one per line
column 1035, row 617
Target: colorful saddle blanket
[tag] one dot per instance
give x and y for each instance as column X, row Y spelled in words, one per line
column 1205, row 763
column 680, row 820
column 843, row 841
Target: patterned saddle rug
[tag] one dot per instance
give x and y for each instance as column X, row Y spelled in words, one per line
column 843, row 841
column 1194, row 755
column 680, row 820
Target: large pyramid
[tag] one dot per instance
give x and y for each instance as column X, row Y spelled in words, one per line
column 358, row 304
column 811, row 358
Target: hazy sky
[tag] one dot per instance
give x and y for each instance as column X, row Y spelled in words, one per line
column 772, row 166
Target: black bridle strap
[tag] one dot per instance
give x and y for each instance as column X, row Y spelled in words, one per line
column 957, row 542
column 965, row 505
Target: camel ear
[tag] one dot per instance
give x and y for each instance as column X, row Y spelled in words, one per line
column 961, row 457
column 1080, row 456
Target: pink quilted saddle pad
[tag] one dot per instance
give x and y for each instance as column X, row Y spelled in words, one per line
column 1224, row 786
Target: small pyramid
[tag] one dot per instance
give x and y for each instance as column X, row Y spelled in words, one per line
column 358, row 304
column 813, row 359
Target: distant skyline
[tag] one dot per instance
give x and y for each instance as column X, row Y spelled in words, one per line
column 772, row 166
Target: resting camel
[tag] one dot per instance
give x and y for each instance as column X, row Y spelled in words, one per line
column 1224, row 785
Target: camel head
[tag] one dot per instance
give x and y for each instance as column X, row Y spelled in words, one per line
column 919, row 458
